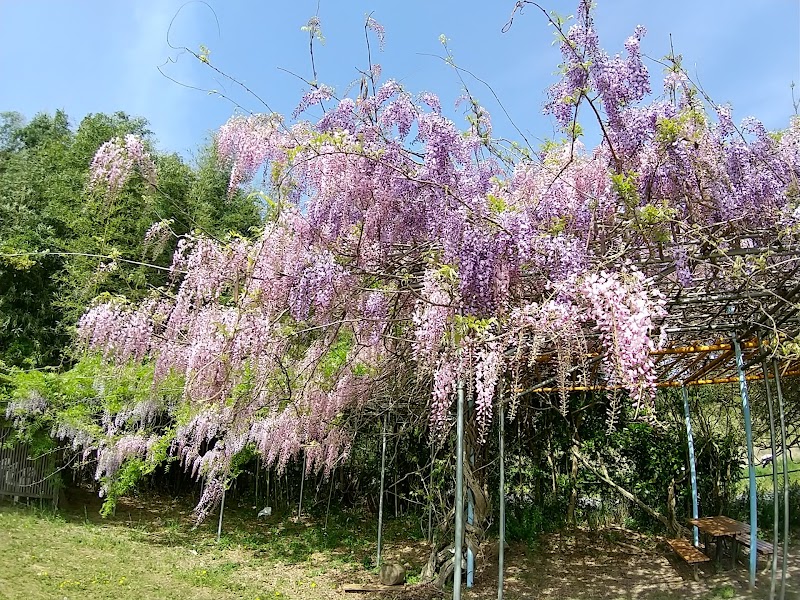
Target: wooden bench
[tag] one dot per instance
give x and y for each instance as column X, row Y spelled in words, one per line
column 691, row 555
column 762, row 547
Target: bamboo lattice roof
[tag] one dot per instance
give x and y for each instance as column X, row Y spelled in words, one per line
column 747, row 286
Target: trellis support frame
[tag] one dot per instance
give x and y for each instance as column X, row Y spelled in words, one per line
column 692, row 467
column 748, row 430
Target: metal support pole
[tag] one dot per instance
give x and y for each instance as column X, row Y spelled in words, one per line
column 779, row 394
column 221, row 512
column 394, row 485
column 459, row 492
column 776, row 514
column 502, row 549
column 748, row 430
column 383, row 481
column 330, row 494
column 430, row 499
column 266, row 491
column 258, row 476
column 692, row 468
column 470, row 553
column 471, row 506
column 302, row 483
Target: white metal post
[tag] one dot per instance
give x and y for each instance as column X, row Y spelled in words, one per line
column 779, row 394
column 383, row 480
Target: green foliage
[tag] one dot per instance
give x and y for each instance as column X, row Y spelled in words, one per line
column 681, row 128
column 652, row 215
column 740, row 506
column 652, row 458
column 470, row 325
column 81, row 400
column 496, row 204
column 335, row 357
column 668, row 131
column 641, row 458
column 60, row 246
column 44, row 210
column 625, row 186
column 525, row 523
column 10, row 124
column 123, row 482
column 724, row 591
column 206, row 205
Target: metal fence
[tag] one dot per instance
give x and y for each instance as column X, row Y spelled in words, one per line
column 23, row 476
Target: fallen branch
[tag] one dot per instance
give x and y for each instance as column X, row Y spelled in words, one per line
column 602, row 474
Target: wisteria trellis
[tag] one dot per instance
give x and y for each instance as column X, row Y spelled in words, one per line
column 399, row 239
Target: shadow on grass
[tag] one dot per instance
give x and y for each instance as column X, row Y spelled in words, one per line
column 345, row 536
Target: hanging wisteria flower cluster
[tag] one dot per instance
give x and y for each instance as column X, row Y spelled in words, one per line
column 115, row 162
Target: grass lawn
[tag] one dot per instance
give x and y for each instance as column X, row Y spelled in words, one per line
column 765, row 474
column 49, row 555
column 764, row 477
column 43, row 556
column 150, row 551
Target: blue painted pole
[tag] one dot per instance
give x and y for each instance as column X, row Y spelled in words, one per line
column 501, row 552
column 457, row 555
column 471, row 505
column 470, row 553
column 748, row 430
column 692, row 469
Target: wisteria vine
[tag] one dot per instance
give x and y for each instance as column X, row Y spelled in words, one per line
column 397, row 239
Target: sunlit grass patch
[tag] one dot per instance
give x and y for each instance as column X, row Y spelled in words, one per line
column 44, row 555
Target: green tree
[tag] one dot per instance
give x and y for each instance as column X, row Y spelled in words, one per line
column 62, row 245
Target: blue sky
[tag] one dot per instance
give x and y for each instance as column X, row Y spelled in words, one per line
column 101, row 56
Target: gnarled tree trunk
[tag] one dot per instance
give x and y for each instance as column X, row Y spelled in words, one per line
column 439, row 569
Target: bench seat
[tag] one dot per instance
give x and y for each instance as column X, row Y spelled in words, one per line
column 762, row 547
column 687, row 551
column 691, row 555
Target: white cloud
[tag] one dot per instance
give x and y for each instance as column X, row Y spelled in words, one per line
column 145, row 90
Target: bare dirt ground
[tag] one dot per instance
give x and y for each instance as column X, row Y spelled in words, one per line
column 612, row 564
